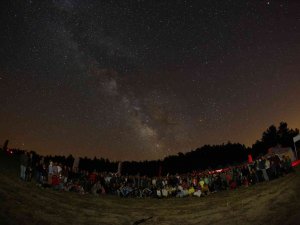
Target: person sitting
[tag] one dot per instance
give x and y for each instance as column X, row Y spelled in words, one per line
column 287, row 164
column 182, row 192
column 55, row 182
column 201, row 183
column 197, row 192
column 96, row 188
column 205, row 189
column 191, row 190
column 165, row 192
column 233, row 185
column 125, row 190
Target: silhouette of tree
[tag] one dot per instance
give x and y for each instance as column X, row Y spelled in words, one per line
column 286, row 135
column 206, row 157
column 272, row 137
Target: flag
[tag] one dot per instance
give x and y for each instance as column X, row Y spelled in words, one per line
column 250, row 160
column 296, row 138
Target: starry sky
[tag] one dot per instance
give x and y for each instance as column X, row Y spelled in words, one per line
column 136, row 80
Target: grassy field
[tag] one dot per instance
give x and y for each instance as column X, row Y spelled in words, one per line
column 275, row 202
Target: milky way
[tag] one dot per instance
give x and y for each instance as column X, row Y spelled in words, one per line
column 142, row 79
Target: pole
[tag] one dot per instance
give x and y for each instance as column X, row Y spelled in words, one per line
column 296, row 151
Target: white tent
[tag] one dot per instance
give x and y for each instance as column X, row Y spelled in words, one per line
column 295, row 139
column 282, row 151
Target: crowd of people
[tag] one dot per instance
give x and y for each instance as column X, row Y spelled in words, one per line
column 198, row 183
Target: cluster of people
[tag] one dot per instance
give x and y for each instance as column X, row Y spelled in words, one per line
column 197, row 183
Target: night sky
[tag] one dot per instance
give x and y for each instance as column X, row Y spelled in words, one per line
column 136, row 80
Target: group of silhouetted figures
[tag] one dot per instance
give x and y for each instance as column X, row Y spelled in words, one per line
column 197, row 183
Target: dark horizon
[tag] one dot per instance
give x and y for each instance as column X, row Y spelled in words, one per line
column 284, row 138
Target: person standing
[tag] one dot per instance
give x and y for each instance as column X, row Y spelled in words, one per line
column 262, row 167
column 24, row 163
column 30, row 167
column 50, row 172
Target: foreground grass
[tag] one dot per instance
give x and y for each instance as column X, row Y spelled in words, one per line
column 275, row 202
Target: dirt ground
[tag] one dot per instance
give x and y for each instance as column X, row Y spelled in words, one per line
column 274, row 202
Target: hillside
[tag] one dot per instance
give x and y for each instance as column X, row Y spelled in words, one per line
column 275, row 202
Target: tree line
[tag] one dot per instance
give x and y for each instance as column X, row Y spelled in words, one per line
column 206, row 157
